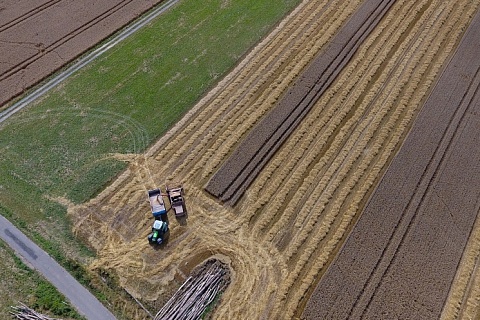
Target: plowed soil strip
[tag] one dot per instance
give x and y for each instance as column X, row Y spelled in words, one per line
column 402, row 256
column 236, row 174
column 301, row 207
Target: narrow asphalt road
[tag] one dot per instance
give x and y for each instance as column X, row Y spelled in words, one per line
column 85, row 302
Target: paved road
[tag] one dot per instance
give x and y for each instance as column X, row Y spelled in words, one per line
column 85, row 303
column 80, row 298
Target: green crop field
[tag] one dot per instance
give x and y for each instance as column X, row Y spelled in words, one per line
column 62, row 146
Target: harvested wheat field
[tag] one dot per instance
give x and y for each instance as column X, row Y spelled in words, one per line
column 400, row 259
column 283, row 225
column 41, row 36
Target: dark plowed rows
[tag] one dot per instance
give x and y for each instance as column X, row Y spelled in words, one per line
column 38, row 37
column 401, row 258
column 236, row 174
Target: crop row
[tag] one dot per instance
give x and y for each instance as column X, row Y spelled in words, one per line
column 297, row 212
column 324, row 208
column 242, row 99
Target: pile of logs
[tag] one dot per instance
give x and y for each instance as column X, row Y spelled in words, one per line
column 197, row 292
column 23, row 312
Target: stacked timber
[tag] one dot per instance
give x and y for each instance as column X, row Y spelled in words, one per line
column 23, row 312
column 192, row 299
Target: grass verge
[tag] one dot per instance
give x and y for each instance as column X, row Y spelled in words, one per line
column 61, row 147
column 27, row 286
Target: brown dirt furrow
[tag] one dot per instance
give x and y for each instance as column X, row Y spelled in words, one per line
column 315, row 39
column 124, row 193
column 214, row 118
column 403, row 248
column 313, row 237
column 36, row 41
column 14, row 12
column 236, row 174
column 258, row 79
column 372, row 131
column 463, row 302
column 302, row 144
column 319, row 138
column 293, row 219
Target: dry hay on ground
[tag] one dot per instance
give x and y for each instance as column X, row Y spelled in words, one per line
column 255, row 150
column 291, row 221
column 400, row 259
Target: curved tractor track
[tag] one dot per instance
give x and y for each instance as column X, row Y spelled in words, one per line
column 38, row 38
column 291, row 221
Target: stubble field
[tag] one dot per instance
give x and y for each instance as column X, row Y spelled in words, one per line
column 292, row 220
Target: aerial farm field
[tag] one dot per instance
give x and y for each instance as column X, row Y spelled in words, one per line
column 295, row 213
column 24, row 285
column 64, row 148
column 38, row 37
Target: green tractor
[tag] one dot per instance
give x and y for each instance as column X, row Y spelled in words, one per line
column 159, row 229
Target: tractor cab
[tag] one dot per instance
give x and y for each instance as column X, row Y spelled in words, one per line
column 159, row 229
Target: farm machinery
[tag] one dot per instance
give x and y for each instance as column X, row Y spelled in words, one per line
column 175, row 196
column 159, row 211
column 159, row 229
column 156, row 203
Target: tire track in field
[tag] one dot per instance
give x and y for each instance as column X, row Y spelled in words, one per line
column 28, row 14
column 410, row 214
column 116, row 201
column 109, row 202
column 327, row 123
column 370, row 289
column 42, row 52
column 408, row 221
column 269, row 243
column 236, row 174
column 341, row 196
column 320, row 35
column 245, row 110
column 56, row 44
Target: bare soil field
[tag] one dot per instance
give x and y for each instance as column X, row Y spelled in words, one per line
column 38, row 37
column 292, row 220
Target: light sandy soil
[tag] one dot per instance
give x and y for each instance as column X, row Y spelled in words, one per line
column 38, row 37
column 290, row 224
